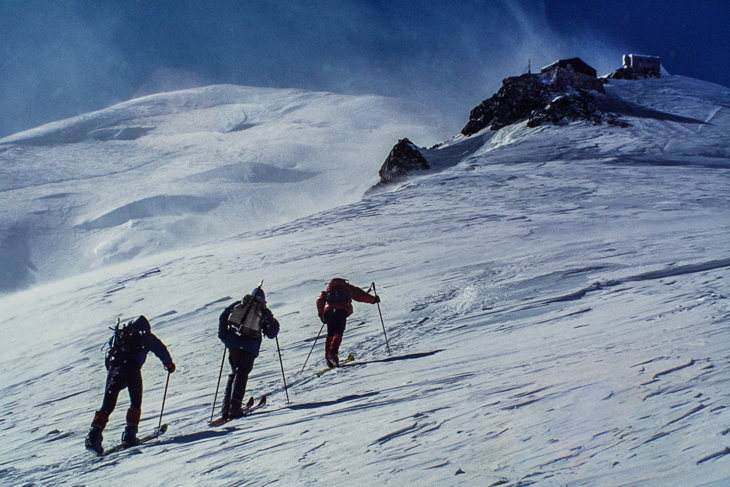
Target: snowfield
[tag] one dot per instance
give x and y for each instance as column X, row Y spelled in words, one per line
column 170, row 170
column 555, row 299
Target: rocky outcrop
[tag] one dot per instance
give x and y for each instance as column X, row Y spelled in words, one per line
column 403, row 159
column 558, row 96
column 571, row 107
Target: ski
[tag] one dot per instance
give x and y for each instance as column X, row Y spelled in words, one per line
column 221, row 421
column 250, row 407
column 142, row 440
column 262, row 403
column 349, row 358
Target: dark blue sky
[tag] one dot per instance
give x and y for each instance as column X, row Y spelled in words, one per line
column 63, row 58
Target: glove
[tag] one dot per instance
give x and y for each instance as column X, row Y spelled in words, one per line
column 170, row 367
column 377, row 299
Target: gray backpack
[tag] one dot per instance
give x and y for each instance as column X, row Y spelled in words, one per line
column 247, row 317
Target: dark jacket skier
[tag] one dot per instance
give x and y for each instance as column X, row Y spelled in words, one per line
column 334, row 305
column 240, row 328
column 127, row 354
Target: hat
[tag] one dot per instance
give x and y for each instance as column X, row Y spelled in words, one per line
column 141, row 324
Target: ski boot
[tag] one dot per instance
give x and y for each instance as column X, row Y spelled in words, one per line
column 129, row 436
column 332, row 360
column 236, row 412
column 94, row 439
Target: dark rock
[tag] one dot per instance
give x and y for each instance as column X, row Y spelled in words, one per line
column 564, row 80
column 557, row 96
column 403, row 159
column 573, row 106
column 517, row 98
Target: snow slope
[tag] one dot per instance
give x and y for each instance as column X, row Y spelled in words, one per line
column 169, row 170
column 571, row 283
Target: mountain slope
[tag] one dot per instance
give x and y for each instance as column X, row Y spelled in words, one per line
column 571, row 281
column 168, row 170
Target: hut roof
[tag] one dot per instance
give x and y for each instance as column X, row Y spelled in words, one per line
column 573, row 64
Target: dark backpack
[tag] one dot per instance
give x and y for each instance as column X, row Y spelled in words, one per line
column 126, row 342
column 247, row 317
column 337, row 292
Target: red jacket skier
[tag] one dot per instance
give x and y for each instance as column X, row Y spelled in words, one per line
column 333, row 307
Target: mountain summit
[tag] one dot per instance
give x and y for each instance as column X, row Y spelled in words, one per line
column 566, row 99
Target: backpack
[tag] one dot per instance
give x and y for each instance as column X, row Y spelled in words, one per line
column 126, row 342
column 337, row 292
column 247, row 317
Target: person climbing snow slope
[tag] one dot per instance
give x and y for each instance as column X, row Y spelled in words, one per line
column 334, row 306
column 128, row 350
column 240, row 328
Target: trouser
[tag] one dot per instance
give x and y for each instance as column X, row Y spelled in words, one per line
column 241, row 365
column 336, row 320
column 125, row 376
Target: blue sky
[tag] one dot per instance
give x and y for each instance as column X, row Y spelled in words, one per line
column 62, row 58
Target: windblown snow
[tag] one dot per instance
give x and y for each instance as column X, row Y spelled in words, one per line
column 554, row 299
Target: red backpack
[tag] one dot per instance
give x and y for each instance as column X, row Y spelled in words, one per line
column 337, row 291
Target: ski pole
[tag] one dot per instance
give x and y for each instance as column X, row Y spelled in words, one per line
column 278, row 348
column 163, row 403
column 381, row 319
column 310, row 351
column 215, row 398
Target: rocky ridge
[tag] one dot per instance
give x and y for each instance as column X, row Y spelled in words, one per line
column 403, row 159
column 556, row 97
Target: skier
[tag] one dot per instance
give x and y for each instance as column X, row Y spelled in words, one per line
column 333, row 307
column 127, row 353
column 240, row 328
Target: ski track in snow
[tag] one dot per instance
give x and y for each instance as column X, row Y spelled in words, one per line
column 574, row 281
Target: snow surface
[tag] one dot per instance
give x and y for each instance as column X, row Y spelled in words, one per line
column 167, row 171
column 571, row 281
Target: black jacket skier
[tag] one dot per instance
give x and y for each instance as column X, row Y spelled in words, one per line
column 240, row 328
column 124, row 365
